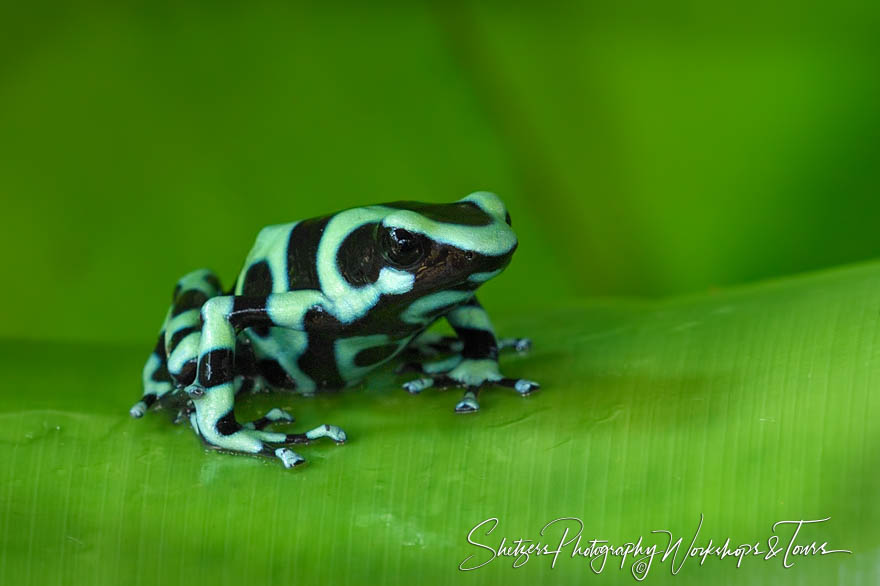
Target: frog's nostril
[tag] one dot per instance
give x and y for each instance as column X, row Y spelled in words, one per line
column 507, row 219
column 469, row 255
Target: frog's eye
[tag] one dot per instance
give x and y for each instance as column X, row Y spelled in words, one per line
column 401, row 247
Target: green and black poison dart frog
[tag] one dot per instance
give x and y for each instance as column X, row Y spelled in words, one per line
column 322, row 302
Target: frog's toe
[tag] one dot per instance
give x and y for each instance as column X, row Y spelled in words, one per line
column 138, row 409
column 520, row 345
column 147, row 400
column 418, row 385
column 523, row 345
column 524, row 387
column 520, row 385
column 468, row 403
column 331, row 431
column 275, row 415
column 289, row 458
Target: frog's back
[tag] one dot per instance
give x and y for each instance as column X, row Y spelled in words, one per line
column 282, row 259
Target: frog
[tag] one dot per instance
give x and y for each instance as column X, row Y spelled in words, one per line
column 320, row 303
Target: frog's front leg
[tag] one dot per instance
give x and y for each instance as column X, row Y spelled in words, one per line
column 477, row 363
column 213, row 390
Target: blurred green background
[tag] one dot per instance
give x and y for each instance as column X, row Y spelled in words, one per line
column 660, row 150
column 649, row 150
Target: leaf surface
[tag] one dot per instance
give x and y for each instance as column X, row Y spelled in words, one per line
column 749, row 407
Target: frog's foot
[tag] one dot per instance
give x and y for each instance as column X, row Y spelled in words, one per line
column 468, row 403
column 291, row 459
column 288, row 457
column 329, row 431
column 158, row 396
column 172, row 401
column 520, row 385
column 275, row 415
column 272, row 444
column 138, row 409
column 521, row 345
column 468, row 373
column 213, row 420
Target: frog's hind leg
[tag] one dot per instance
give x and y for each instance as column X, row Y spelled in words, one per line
column 249, row 380
column 172, row 364
column 157, row 382
column 431, row 344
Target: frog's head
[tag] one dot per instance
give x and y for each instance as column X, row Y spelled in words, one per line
column 457, row 245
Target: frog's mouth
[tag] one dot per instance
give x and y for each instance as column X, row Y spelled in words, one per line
column 485, row 267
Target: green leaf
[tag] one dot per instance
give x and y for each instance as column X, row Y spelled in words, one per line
column 749, row 407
